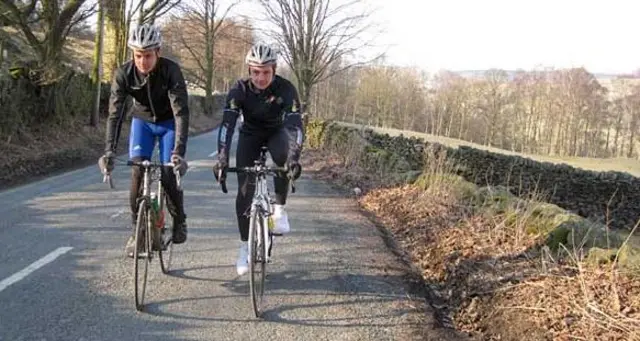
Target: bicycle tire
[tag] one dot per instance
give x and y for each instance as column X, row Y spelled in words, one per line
column 167, row 241
column 142, row 231
column 257, row 261
column 166, row 255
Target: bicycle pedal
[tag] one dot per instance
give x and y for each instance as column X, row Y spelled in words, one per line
column 276, row 234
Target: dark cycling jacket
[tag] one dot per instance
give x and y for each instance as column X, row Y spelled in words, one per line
column 165, row 99
column 264, row 112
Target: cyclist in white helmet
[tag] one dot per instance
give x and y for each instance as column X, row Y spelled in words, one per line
column 160, row 109
column 270, row 109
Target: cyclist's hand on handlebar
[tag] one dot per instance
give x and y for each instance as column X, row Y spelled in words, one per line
column 105, row 163
column 180, row 164
column 220, row 172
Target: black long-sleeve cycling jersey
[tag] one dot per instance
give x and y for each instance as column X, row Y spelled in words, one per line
column 264, row 112
column 160, row 96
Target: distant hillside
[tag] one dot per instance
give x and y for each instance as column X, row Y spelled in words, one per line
column 607, row 80
column 512, row 73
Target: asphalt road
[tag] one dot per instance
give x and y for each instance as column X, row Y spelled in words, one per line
column 63, row 274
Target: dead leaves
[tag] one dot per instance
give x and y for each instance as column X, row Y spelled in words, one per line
column 490, row 285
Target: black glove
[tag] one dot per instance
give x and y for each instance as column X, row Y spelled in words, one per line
column 294, row 170
column 180, row 164
column 220, row 168
column 105, row 162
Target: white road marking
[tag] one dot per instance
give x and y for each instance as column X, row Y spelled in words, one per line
column 117, row 214
column 34, row 266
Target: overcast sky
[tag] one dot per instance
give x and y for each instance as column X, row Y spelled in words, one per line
column 603, row 36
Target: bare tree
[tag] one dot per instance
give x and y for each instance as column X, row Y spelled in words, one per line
column 149, row 11
column 313, row 34
column 118, row 17
column 115, row 32
column 566, row 112
column 96, row 72
column 201, row 25
column 55, row 21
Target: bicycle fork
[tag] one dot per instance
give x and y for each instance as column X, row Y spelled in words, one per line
column 262, row 208
column 152, row 215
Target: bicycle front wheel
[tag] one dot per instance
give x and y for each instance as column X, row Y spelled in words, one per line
column 257, row 261
column 166, row 237
column 141, row 254
column 165, row 255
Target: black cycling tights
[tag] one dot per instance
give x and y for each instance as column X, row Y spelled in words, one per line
column 247, row 152
column 174, row 201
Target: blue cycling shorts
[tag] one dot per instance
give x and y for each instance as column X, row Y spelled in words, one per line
column 143, row 135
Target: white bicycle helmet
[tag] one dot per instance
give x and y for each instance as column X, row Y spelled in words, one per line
column 145, row 37
column 260, row 55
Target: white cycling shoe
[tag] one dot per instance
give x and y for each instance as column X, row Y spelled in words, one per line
column 280, row 220
column 242, row 264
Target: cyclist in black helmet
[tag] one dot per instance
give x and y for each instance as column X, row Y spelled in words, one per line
column 270, row 111
column 160, row 109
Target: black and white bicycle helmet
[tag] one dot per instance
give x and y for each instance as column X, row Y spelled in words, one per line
column 260, row 55
column 145, row 37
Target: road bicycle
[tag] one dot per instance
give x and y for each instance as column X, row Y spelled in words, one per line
column 151, row 233
column 261, row 224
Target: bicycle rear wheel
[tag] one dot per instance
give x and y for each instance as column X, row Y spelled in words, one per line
column 141, row 253
column 257, row 261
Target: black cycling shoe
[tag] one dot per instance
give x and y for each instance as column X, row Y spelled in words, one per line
column 179, row 232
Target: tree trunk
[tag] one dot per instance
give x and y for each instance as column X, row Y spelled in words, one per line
column 632, row 138
column 96, row 76
column 97, row 50
column 114, row 43
column 209, row 41
column 305, row 94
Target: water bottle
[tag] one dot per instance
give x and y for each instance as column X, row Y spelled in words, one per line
column 158, row 215
column 270, row 222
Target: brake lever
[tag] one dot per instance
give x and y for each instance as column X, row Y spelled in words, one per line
column 223, row 183
column 178, row 179
column 292, row 181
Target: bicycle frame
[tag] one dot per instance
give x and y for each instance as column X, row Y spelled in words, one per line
column 148, row 178
column 260, row 234
column 152, row 237
column 262, row 200
column 154, row 174
column 151, row 172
